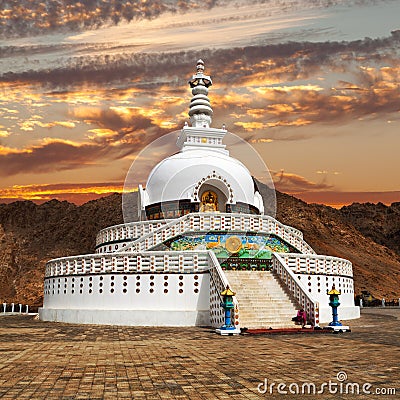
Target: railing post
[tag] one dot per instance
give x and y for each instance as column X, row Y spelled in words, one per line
column 4, row 307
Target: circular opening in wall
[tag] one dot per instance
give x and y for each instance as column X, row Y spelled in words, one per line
column 166, row 277
column 151, row 290
column 165, row 283
column 151, row 277
column 81, row 285
column 138, row 277
column 101, row 278
column 196, row 277
column 80, row 291
column 112, row 283
column 151, row 283
column 112, row 277
column 90, row 284
column 196, row 290
column 180, row 277
column 137, row 283
column 90, row 278
column 196, row 284
column 73, row 291
column 100, row 290
column 124, row 290
column 180, row 283
column 180, row 290
column 112, row 290
column 90, row 291
column 165, row 290
column 73, row 279
column 125, row 277
column 137, row 290
column 125, row 283
column 101, row 284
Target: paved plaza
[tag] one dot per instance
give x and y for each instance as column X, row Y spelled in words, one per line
column 43, row 360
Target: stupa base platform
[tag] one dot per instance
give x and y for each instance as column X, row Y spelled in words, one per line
column 172, row 318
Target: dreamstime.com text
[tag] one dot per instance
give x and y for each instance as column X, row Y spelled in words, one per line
column 341, row 386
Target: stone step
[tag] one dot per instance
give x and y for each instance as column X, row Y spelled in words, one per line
column 263, row 302
column 266, row 308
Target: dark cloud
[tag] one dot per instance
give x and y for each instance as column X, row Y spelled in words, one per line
column 292, row 183
column 53, row 156
column 128, row 133
column 236, row 66
column 20, row 18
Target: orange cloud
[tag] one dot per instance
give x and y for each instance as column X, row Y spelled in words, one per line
column 75, row 192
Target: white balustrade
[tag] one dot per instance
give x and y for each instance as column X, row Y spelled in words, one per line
column 218, row 283
column 151, row 261
column 317, row 264
column 297, row 288
column 131, row 231
column 195, row 222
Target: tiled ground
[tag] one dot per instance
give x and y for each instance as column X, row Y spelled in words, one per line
column 41, row 360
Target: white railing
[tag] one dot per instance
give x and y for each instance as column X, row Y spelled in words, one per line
column 317, row 264
column 218, row 283
column 152, row 261
column 200, row 222
column 128, row 231
column 296, row 288
column 247, row 221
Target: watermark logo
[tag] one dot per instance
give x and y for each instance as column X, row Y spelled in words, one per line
column 339, row 386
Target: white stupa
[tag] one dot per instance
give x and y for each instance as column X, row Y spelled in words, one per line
column 202, row 227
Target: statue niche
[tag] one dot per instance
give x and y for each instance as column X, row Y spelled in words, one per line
column 209, row 202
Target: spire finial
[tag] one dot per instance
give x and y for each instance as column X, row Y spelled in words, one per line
column 200, row 66
column 200, row 112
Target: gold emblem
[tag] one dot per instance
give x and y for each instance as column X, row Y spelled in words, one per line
column 233, row 244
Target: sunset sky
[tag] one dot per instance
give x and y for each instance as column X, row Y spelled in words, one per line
column 84, row 86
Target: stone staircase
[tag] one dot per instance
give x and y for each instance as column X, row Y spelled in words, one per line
column 263, row 302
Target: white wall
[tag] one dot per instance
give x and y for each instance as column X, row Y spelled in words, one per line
column 141, row 298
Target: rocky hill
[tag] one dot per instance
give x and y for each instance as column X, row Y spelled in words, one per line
column 30, row 234
column 379, row 222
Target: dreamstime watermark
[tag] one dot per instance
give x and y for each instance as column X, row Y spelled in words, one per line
column 340, row 386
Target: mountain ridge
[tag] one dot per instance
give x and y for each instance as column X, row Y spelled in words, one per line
column 31, row 234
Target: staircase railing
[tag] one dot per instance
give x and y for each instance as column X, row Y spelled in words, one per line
column 200, row 222
column 218, row 283
column 296, row 288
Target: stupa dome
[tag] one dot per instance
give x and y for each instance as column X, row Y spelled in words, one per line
column 183, row 175
column 202, row 176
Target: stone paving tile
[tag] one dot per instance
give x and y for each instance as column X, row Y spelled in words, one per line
column 41, row 360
